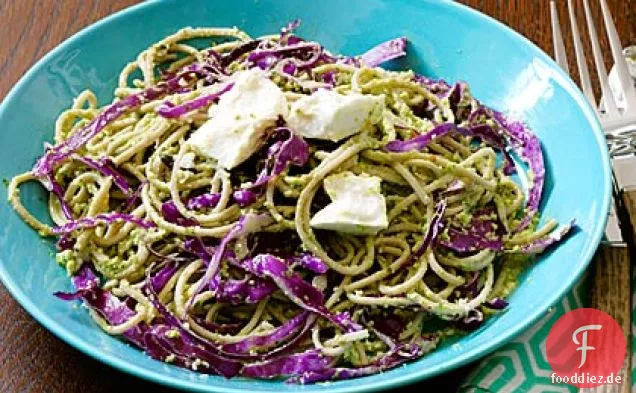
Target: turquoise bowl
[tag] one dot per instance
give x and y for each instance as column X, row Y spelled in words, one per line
column 446, row 40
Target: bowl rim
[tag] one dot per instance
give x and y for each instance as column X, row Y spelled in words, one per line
column 128, row 367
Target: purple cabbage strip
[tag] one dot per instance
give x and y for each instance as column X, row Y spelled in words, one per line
column 422, row 140
column 282, row 336
column 65, row 242
column 288, row 365
column 432, row 231
column 105, row 218
column 57, row 190
column 481, row 233
column 329, row 77
column 384, row 52
column 309, row 262
column 286, row 31
column 173, row 112
column 132, row 200
column 186, row 344
column 220, row 328
column 266, row 58
column 203, row 201
column 472, row 321
column 391, row 324
column 245, row 198
column 491, row 138
column 105, row 303
column 161, row 278
column 397, row 356
column 435, row 85
column 291, row 151
column 161, row 343
column 496, row 304
column 528, row 147
column 195, row 246
column 471, row 288
column 248, row 290
column 239, row 51
column 171, row 214
column 540, row 245
column 277, row 336
column 290, row 68
column 106, row 167
column 247, row 224
column 56, row 154
column 296, row 288
column 461, row 241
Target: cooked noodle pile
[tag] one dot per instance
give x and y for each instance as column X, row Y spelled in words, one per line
column 221, row 270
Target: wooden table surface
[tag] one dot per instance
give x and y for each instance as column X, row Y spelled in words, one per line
column 33, row 360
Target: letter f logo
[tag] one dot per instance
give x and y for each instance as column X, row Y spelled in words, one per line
column 584, row 347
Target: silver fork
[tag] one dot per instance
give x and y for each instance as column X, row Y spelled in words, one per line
column 619, row 124
column 612, row 118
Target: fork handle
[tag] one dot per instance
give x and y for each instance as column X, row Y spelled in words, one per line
column 612, row 292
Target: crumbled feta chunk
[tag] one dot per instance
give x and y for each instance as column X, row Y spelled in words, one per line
column 329, row 115
column 358, row 206
column 237, row 125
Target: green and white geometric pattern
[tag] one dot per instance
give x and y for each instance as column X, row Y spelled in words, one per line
column 521, row 366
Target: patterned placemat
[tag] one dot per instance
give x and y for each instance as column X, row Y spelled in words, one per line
column 521, row 366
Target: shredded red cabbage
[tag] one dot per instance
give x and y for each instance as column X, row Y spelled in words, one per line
column 171, row 214
column 248, row 290
column 161, row 278
column 398, row 355
column 293, row 150
column 309, row 262
column 384, row 52
column 432, row 231
column 496, row 304
column 540, row 245
column 293, row 364
column 247, row 224
column 296, row 288
column 56, row 154
column 528, row 147
column 482, row 232
column 203, row 201
column 57, row 190
column 108, row 306
column 170, row 111
column 245, row 198
column 421, row 141
column 472, row 321
column 106, row 167
column 274, row 338
column 105, row 218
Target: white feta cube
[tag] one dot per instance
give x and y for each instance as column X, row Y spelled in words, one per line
column 238, row 123
column 326, row 114
column 358, row 206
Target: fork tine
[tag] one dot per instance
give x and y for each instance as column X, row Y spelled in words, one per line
column 559, row 49
column 581, row 61
column 608, row 97
column 625, row 79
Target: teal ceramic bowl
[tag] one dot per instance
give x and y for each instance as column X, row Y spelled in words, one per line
column 446, row 40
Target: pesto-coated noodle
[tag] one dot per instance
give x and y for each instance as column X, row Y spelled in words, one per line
column 221, row 269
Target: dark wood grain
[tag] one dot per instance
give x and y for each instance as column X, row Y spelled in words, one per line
column 31, row 359
column 611, row 292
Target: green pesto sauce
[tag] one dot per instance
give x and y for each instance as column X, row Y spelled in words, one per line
column 511, row 267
